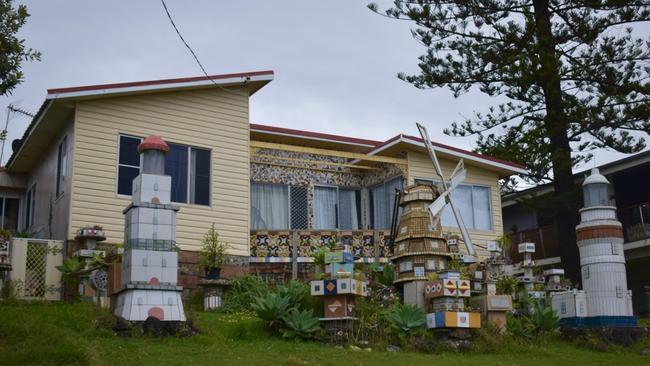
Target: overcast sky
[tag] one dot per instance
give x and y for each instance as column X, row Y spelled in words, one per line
column 335, row 61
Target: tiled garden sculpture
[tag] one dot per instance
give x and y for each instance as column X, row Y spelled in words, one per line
column 150, row 261
column 339, row 289
column 446, row 301
column 605, row 299
column 529, row 279
column 493, row 307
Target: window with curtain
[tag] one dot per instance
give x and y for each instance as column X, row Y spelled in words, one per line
column 325, row 207
column 336, row 208
column 473, row 203
column 349, row 209
column 269, row 208
column 382, row 200
column 188, row 166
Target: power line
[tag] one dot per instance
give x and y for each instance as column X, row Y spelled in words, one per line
column 196, row 58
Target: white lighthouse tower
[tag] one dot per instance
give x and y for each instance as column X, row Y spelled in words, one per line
column 605, row 299
column 150, row 262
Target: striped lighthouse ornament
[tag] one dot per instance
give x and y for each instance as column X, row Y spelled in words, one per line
column 605, row 299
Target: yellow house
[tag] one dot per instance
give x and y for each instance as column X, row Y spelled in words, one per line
column 268, row 190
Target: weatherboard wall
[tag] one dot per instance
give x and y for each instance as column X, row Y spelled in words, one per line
column 51, row 212
column 420, row 167
column 208, row 119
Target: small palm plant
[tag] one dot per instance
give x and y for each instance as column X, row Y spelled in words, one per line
column 300, row 324
column 271, row 308
column 213, row 253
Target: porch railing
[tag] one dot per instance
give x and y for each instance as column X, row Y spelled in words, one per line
column 636, row 221
column 280, row 245
column 546, row 241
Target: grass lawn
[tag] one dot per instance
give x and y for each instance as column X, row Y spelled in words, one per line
column 60, row 334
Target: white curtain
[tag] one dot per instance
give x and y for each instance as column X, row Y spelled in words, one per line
column 348, row 210
column 269, row 206
column 481, row 203
column 379, row 207
column 325, row 207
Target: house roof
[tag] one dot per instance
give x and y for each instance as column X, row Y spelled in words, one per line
column 255, row 80
column 605, row 169
column 373, row 147
column 53, row 110
column 162, row 84
column 371, row 144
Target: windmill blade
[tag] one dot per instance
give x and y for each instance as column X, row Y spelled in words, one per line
column 439, row 203
column 432, row 153
column 463, row 231
column 458, row 175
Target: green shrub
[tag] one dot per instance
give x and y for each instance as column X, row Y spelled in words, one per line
column 507, row 285
column 242, row 294
column 300, row 324
column 387, row 276
column 544, row 321
column 295, row 291
column 541, row 323
column 406, row 318
column 271, row 308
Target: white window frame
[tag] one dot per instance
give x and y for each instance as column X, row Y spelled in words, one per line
column 117, row 170
column 490, row 208
column 61, row 166
column 30, row 207
column 4, row 209
column 338, row 204
column 189, row 168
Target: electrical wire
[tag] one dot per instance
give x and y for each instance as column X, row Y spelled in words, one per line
column 196, row 58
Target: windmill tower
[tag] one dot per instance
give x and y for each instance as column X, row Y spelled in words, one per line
column 445, row 198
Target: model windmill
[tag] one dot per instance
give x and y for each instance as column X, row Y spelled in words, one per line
column 445, row 197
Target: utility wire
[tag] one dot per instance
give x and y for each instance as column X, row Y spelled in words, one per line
column 196, row 58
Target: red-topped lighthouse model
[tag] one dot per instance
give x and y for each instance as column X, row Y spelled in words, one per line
column 150, row 262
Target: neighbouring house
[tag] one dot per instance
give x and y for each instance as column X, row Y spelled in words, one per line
column 269, row 191
column 629, row 193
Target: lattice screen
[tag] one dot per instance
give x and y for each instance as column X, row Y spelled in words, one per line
column 299, row 211
column 35, row 267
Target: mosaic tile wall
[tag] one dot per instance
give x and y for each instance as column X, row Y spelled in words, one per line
column 275, row 246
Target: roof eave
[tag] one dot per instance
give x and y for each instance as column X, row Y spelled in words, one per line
column 404, row 139
column 129, row 88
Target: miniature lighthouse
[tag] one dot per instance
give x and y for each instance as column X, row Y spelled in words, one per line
column 605, row 299
column 150, row 262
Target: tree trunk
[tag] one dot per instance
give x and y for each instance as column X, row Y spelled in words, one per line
column 556, row 124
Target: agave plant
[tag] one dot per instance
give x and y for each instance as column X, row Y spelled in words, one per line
column 300, row 324
column 271, row 308
column 295, row 291
column 406, row 318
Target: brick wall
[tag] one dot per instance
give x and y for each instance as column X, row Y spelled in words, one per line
column 189, row 270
